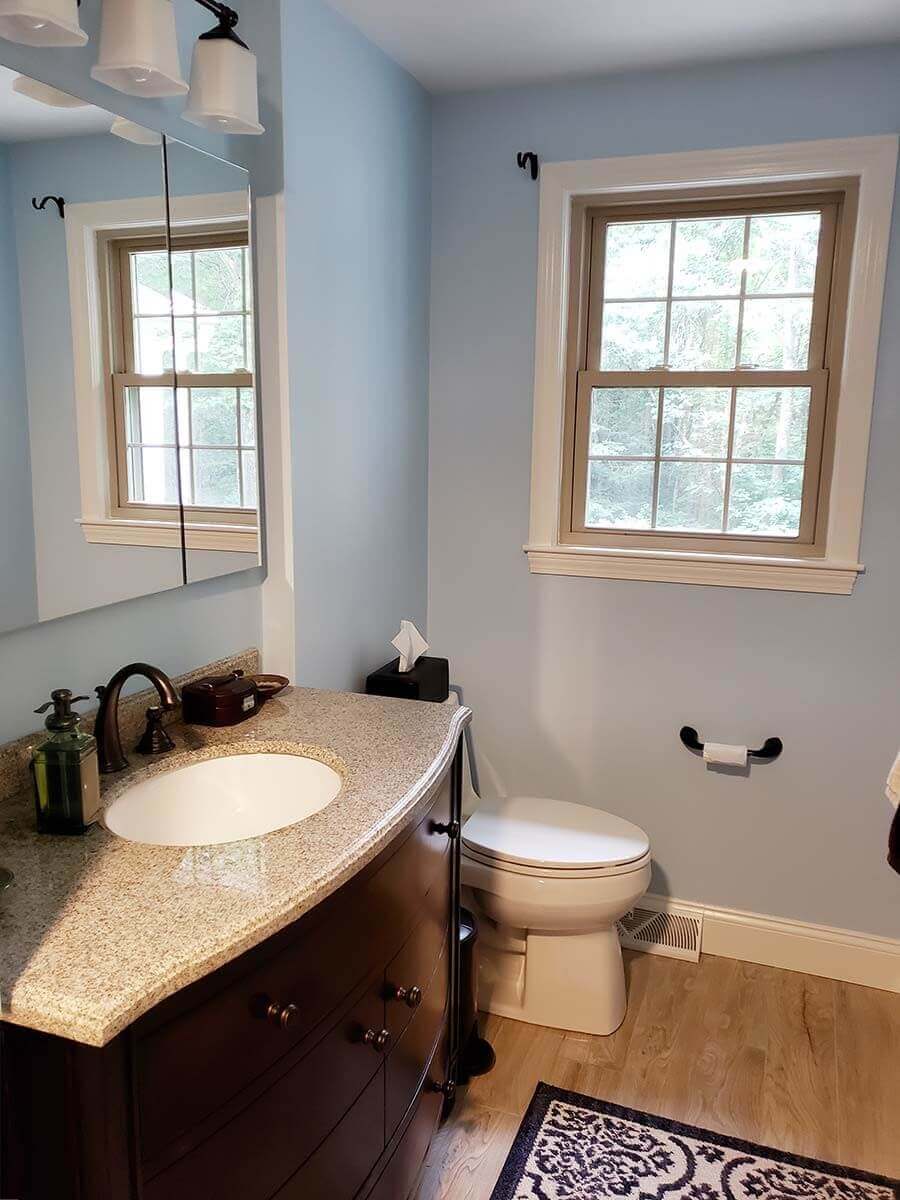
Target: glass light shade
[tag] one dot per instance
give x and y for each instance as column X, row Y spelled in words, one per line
column 139, row 48
column 45, row 94
column 223, row 87
column 41, row 22
column 132, row 132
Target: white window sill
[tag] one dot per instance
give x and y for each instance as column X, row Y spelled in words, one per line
column 114, row 531
column 716, row 570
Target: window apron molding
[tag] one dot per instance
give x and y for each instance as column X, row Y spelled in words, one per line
column 869, row 163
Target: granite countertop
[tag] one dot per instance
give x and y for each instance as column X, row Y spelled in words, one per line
column 96, row 930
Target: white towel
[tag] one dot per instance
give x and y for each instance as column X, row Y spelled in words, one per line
column 892, row 791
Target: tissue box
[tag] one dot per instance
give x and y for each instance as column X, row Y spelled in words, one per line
column 428, row 680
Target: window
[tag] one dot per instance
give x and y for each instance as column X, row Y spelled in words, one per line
column 702, row 384
column 707, row 335
column 193, row 443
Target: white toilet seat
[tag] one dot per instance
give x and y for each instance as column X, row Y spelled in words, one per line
column 530, row 835
column 551, row 872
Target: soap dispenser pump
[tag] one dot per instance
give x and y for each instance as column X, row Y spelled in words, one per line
column 65, row 770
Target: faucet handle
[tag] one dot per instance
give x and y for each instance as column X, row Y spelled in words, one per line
column 154, row 740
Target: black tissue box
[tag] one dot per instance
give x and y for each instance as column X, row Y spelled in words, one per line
column 428, row 680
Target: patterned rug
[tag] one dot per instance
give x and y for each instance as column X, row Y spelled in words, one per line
column 570, row 1147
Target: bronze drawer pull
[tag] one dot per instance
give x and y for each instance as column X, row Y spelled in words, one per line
column 452, row 828
column 282, row 1015
column 378, row 1041
column 411, row 997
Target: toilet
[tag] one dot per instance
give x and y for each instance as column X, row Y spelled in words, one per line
column 552, row 879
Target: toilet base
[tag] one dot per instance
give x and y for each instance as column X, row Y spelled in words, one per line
column 565, row 981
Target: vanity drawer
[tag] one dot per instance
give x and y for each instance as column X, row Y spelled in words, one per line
column 192, row 1059
column 411, row 1055
column 285, row 1124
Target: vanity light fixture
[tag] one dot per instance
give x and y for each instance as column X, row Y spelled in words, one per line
column 139, row 48
column 130, row 131
column 41, row 22
column 45, row 94
column 224, row 93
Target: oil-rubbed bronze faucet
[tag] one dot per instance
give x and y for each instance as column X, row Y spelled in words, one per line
column 106, row 726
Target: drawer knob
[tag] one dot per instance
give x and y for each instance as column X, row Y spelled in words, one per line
column 377, row 1040
column 282, row 1015
column 451, row 828
column 411, row 997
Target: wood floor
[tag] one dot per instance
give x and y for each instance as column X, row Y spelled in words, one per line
column 788, row 1060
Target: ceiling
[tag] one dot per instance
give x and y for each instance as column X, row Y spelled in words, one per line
column 496, row 43
column 23, row 119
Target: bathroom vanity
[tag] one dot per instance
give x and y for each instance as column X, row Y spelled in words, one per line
column 268, row 1019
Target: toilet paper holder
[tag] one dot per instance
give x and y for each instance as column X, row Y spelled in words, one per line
column 770, row 748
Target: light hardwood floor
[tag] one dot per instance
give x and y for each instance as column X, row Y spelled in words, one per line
column 805, row 1064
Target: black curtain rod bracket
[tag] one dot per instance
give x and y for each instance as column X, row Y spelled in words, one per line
column 528, row 161
column 57, row 200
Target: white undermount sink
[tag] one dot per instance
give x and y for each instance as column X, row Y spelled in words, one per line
column 223, row 800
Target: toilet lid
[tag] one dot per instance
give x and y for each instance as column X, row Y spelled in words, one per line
column 553, row 834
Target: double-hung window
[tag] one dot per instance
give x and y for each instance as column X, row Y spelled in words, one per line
column 706, row 342
column 701, row 382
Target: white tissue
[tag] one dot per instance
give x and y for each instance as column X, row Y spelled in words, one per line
column 892, row 790
column 728, row 756
column 410, row 645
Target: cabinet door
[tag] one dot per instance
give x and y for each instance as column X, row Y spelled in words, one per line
column 404, row 1163
column 341, row 1164
column 409, row 972
column 410, row 1057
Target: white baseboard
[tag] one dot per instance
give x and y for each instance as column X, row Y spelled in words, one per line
column 798, row 946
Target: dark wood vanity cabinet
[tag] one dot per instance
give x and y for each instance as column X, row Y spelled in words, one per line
column 314, row 1067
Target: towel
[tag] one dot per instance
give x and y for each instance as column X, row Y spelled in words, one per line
column 892, row 790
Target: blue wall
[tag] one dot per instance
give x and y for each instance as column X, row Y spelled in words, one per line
column 580, row 685
column 357, row 205
column 189, row 626
column 17, row 570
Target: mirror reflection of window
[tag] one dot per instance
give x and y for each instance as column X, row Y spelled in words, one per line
column 212, row 315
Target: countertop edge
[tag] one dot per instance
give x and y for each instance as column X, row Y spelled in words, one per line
column 402, row 813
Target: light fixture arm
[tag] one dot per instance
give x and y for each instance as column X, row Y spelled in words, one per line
column 227, row 19
column 227, row 16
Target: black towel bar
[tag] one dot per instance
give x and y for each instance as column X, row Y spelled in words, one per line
column 770, row 748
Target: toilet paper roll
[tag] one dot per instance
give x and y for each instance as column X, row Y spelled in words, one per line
column 729, row 756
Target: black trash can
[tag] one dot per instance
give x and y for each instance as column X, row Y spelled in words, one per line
column 476, row 1056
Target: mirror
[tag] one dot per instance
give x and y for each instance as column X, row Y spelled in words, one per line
column 128, row 417
column 213, row 313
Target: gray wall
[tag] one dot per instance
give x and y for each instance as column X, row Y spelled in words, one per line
column 580, row 686
column 188, row 626
column 17, row 571
column 357, row 204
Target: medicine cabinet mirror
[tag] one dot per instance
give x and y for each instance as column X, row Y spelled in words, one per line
column 129, row 440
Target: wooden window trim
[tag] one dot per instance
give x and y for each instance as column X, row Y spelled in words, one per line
column 114, row 249
column 836, row 199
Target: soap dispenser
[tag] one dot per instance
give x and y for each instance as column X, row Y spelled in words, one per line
column 65, row 770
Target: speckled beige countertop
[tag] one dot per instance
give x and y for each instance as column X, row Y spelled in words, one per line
column 97, row 930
